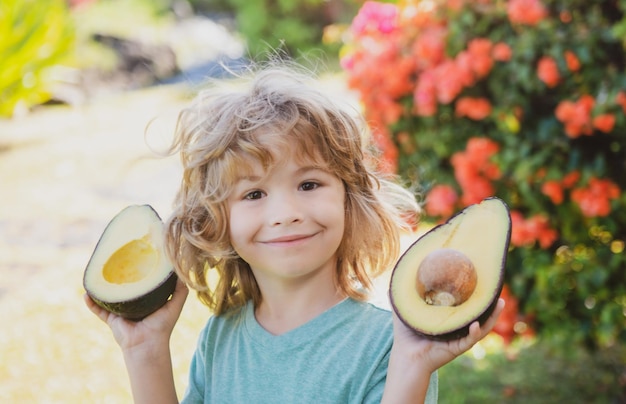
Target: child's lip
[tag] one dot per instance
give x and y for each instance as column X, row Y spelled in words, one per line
column 288, row 238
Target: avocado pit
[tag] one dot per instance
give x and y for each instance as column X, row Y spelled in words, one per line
column 446, row 277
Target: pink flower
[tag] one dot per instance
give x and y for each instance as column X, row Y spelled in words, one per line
column 448, row 81
column 375, row 18
column 425, row 95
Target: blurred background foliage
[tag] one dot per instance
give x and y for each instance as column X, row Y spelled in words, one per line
column 49, row 42
column 487, row 125
column 294, row 26
column 34, row 36
column 525, row 100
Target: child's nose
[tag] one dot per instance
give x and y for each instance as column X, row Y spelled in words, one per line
column 285, row 209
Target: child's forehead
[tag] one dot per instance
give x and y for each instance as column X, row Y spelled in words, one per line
column 277, row 159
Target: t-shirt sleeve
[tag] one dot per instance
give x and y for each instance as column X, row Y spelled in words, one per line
column 197, row 371
column 375, row 392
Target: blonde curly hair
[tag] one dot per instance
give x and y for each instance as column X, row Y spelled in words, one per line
column 218, row 136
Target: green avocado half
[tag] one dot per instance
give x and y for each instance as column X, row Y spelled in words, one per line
column 129, row 273
column 453, row 274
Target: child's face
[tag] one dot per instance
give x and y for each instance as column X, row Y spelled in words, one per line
column 287, row 222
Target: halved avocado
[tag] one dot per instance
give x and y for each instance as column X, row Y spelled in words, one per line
column 129, row 273
column 453, row 274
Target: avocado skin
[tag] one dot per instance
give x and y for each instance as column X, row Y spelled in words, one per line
column 463, row 331
column 140, row 307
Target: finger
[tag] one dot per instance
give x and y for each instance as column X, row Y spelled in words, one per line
column 95, row 309
column 478, row 332
column 174, row 306
column 493, row 318
column 179, row 296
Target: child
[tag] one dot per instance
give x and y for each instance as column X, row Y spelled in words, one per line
column 280, row 199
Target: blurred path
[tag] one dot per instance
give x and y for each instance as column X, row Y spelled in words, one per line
column 65, row 171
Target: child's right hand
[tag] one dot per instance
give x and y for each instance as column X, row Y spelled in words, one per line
column 155, row 329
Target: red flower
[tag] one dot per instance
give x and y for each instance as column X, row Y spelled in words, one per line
column 505, row 326
column 441, row 201
column 455, row 5
column 465, row 68
column 528, row 12
column 429, row 48
column 526, row 232
column 573, row 64
column 553, row 190
column 473, row 169
column 501, row 52
column 389, row 160
column 604, row 122
column 620, row 99
column 481, row 61
column 548, row 71
column 425, row 95
column 576, row 116
column 539, row 225
column 520, row 236
column 448, row 81
column 595, row 199
column 570, row 179
column 473, row 108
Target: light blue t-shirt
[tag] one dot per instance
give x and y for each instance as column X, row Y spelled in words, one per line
column 341, row 356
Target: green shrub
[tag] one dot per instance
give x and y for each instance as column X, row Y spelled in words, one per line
column 526, row 100
column 536, row 374
column 292, row 26
column 34, row 35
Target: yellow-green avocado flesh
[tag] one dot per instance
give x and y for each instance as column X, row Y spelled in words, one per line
column 482, row 232
column 129, row 273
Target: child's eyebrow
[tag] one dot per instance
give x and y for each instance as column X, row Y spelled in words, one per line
column 250, row 178
column 306, row 169
column 299, row 171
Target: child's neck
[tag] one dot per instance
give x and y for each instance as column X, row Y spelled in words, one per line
column 279, row 313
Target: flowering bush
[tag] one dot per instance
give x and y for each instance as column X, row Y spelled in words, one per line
column 526, row 100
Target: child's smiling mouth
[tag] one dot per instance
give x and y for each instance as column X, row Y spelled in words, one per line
column 289, row 240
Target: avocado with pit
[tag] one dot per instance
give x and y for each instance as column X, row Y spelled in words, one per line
column 453, row 274
column 129, row 273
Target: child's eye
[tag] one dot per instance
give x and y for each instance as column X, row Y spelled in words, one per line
column 254, row 195
column 309, row 186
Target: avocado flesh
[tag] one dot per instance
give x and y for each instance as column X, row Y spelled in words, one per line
column 482, row 232
column 132, row 262
column 129, row 273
